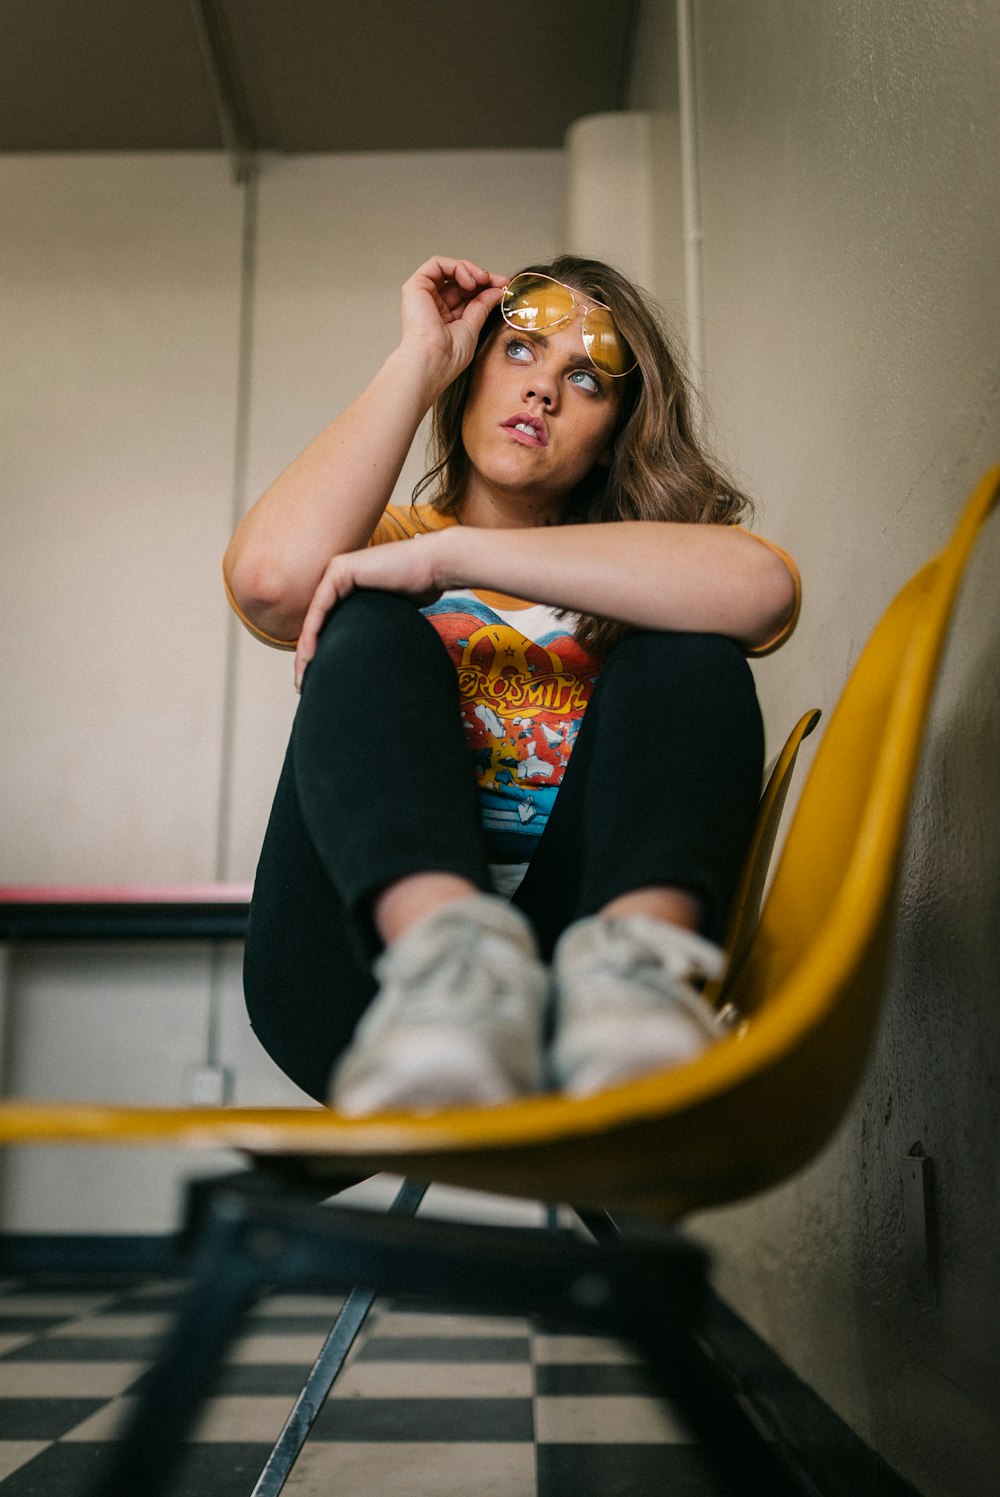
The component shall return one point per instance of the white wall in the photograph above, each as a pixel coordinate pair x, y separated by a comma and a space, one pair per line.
850, 205
609, 198
119, 304
122, 398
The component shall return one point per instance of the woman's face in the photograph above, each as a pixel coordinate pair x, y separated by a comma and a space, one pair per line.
537, 419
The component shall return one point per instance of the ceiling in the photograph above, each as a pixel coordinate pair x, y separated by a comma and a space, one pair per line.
307, 75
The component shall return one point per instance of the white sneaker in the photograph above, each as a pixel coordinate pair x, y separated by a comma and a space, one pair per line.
458, 1018
626, 1001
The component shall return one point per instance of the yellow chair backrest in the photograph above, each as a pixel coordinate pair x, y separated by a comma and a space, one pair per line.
813, 977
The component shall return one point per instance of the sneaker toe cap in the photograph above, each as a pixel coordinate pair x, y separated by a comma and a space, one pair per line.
417, 1071
591, 1056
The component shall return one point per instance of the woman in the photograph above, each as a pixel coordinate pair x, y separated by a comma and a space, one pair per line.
536, 682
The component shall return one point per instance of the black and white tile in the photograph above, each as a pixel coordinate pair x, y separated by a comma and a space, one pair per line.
439, 1404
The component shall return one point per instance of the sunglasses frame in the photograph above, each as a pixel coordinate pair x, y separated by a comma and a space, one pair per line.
536, 275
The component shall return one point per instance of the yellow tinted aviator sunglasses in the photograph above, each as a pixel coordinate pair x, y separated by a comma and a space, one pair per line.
532, 303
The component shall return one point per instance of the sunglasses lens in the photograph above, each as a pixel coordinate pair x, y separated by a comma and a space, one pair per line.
607, 349
534, 302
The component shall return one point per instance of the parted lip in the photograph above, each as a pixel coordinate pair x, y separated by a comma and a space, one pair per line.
535, 422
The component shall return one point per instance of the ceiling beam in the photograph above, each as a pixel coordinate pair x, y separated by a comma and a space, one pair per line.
228, 95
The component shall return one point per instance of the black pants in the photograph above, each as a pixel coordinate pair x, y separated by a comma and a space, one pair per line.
661, 788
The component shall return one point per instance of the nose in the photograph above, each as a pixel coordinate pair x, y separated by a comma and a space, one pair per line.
541, 384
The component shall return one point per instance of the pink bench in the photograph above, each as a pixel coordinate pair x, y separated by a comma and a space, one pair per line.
137, 912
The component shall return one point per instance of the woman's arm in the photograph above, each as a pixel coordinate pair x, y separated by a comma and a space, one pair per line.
330, 499
653, 574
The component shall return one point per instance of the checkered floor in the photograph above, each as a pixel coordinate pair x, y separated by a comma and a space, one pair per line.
434, 1404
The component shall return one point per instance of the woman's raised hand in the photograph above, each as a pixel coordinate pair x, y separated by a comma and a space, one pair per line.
329, 500
444, 306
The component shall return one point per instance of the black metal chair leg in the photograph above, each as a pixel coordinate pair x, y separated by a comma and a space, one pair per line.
643, 1285
231, 1269
326, 1369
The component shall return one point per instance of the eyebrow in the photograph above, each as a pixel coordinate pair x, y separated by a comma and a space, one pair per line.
527, 333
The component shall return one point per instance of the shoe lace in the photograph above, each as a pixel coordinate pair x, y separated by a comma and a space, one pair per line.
624, 958
464, 973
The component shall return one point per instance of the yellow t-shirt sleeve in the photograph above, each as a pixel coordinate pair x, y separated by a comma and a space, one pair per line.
402, 524
396, 524
793, 617
265, 639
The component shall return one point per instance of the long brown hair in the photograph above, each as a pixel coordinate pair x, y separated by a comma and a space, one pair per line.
658, 470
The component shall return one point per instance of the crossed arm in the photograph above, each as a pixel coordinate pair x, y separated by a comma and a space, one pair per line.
654, 575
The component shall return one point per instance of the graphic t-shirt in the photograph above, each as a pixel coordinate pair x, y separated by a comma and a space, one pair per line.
524, 683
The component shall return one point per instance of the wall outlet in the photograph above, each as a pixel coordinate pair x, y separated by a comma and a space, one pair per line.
208, 1086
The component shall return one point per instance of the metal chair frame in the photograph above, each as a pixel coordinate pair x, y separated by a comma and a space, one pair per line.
262, 1229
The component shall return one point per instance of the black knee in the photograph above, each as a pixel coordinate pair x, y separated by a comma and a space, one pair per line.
704, 672
374, 637
371, 616
675, 651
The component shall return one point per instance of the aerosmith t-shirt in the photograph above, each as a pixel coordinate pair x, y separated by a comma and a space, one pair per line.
524, 683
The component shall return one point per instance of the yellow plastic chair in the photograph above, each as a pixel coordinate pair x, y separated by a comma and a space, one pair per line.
742, 1117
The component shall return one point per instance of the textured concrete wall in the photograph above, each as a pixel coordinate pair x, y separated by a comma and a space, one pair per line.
850, 206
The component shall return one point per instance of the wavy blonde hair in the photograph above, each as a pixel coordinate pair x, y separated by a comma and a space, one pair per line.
658, 469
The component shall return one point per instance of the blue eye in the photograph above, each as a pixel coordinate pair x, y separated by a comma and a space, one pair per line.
584, 380
517, 348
